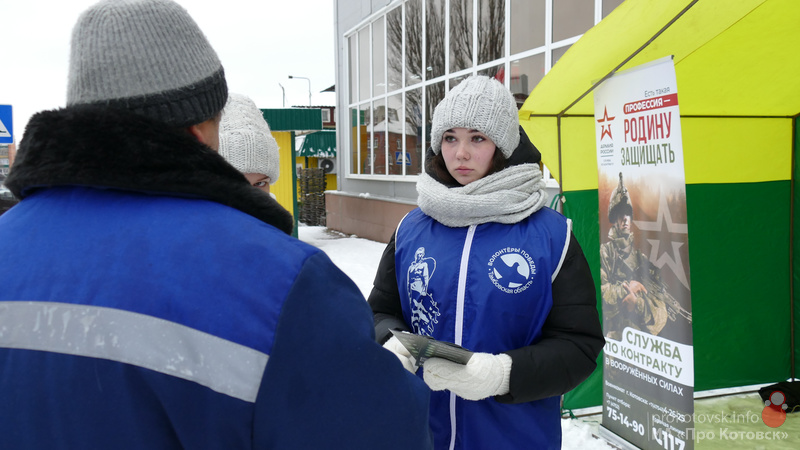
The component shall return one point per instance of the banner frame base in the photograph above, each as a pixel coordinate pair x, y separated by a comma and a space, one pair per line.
614, 439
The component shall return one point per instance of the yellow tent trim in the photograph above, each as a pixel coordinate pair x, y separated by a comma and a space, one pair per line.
734, 59
749, 150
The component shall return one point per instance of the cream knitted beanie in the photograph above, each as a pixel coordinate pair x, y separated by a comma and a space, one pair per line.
245, 140
480, 103
147, 56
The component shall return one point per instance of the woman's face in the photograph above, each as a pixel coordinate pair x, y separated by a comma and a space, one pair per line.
258, 180
467, 154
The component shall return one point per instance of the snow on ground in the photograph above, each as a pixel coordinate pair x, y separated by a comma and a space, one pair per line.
358, 258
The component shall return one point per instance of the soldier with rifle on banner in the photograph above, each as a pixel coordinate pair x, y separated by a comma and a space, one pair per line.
634, 294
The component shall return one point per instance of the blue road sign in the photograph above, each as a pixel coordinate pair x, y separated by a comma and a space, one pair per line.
6, 127
399, 160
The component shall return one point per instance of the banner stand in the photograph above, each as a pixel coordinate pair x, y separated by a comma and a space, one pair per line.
648, 373
615, 439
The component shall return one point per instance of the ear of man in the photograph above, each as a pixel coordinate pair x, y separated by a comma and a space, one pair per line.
207, 132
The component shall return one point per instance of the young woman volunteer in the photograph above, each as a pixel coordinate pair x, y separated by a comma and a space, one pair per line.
247, 144
481, 263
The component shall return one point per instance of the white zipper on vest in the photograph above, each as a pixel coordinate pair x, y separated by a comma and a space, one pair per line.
462, 289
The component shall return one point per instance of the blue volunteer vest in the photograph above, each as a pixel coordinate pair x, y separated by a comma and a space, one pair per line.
488, 288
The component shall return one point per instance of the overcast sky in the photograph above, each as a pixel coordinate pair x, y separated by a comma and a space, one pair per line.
260, 43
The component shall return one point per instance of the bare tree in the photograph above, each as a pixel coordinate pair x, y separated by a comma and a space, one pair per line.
434, 24
491, 30
435, 53
460, 34
490, 34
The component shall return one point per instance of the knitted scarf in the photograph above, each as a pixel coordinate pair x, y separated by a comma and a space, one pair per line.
507, 196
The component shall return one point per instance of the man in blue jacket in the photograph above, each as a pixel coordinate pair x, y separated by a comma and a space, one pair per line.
152, 298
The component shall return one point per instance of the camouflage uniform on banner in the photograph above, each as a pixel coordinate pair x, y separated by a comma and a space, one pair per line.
633, 293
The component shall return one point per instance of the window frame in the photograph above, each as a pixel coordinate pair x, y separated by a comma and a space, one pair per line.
355, 149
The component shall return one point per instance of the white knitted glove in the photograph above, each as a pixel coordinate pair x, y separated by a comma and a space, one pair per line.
394, 346
485, 375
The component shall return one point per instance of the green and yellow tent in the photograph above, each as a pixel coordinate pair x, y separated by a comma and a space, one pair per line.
737, 64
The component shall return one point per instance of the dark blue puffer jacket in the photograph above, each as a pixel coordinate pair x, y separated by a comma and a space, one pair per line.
139, 309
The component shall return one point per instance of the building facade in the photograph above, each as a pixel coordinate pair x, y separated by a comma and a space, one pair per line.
396, 59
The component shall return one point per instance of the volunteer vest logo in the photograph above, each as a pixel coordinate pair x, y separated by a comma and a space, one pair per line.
511, 270
424, 309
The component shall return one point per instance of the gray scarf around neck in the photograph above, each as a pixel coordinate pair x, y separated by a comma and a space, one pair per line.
507, 196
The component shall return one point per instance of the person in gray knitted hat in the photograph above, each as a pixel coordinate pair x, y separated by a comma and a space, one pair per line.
246, 143
157, 299
146, 56
500, 274
482, 104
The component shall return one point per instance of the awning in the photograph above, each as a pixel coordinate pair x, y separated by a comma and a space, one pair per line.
320, 144
733, 59
739, 94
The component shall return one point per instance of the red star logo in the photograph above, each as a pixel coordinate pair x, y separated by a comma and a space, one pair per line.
605, 131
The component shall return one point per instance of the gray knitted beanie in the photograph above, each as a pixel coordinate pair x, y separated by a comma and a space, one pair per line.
245, 140
480, 103
147, 56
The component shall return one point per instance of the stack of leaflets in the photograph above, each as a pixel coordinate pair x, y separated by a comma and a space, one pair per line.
424, 347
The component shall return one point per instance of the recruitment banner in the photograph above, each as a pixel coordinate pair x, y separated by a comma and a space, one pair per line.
648, 377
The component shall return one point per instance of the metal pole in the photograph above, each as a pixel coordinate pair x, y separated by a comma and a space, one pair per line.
309, 87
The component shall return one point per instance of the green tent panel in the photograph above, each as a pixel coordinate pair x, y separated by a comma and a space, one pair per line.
736, 68
582, 208
796, 250
739, 251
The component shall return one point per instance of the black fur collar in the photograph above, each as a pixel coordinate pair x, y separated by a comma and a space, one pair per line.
96, 146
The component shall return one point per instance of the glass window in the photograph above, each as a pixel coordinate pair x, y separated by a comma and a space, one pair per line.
498, 72
353, 66
363, 64
460, 35
434, 39
547, 175
559, 52
610, 5
413, 120
394, 135
394, 48
357, 129
572, 18
413, 42
378, 58
491, 30
364, 135
525, 75
379, 127
527, 25
455, 81
393, 60
434, 93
